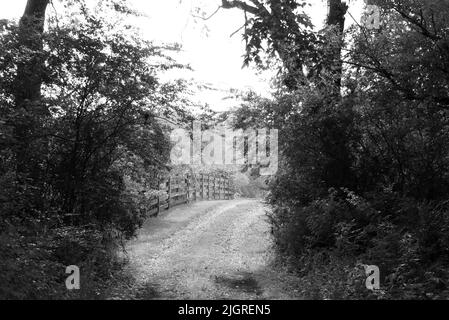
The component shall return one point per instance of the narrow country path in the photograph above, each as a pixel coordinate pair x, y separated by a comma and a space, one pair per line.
208, 250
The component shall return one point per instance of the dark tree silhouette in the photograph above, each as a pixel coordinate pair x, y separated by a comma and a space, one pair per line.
29, 75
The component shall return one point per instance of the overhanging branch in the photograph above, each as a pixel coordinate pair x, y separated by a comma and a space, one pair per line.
210, 16
226, 4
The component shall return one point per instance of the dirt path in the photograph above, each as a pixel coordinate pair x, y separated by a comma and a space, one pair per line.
208, 250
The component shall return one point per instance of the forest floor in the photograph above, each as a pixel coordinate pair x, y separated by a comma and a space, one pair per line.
208, 250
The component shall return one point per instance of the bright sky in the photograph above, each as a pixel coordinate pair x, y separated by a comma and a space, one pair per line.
215, 56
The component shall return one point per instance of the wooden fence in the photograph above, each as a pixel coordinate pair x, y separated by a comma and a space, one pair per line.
184, 189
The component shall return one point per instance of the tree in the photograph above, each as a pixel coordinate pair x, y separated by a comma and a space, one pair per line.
283, 28
29, 73
364, 176
80, 142
336, 20
29, 76
287, 30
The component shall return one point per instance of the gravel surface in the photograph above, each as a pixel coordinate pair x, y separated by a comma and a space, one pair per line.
208, 250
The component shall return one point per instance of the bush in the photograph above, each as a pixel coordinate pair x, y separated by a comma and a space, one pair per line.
406, 239
75, 160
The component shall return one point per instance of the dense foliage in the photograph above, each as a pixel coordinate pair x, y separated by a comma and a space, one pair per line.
364, 131
80, 157
364, 174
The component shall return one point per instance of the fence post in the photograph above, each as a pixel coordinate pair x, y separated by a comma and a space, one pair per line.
224, 187
194, 187
187, 182
217, 187
169, 192
208, 187
157, 196
202, 186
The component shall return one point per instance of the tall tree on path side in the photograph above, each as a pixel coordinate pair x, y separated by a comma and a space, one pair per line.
29, 77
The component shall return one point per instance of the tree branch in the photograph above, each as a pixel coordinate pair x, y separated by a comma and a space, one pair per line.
226, 4
232, 34
418, 23
209, 17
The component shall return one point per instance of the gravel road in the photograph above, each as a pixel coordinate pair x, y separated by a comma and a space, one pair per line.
208, 250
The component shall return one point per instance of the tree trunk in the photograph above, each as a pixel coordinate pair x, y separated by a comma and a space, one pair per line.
29, 78
336, 19
29, 73
336, 14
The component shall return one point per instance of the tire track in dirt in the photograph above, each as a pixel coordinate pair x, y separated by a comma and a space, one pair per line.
209, 250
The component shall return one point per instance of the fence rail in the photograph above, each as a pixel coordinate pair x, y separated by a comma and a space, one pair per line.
184, 189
